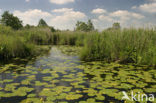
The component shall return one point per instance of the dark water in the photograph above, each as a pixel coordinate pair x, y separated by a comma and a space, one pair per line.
61, 78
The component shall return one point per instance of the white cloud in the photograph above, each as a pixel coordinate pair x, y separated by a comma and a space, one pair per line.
126, 14
153, 0
98, 11
60, 2
62, 10
32, 16
67, 19
27, 0
105, 18
124, 17
150, 8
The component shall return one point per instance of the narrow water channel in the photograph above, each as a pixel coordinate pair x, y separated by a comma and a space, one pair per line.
61, 78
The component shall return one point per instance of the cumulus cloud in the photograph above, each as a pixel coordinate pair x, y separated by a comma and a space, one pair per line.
64, 18
126, 14
153, 0
150, 8
106, 18
60, 2
67, 19
32, 16
62, 10
126, 18
98, 11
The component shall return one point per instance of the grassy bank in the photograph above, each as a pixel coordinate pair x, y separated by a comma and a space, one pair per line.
126, 46
22, 43
69, 38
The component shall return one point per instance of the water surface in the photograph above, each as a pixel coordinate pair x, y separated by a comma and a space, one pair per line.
61, 78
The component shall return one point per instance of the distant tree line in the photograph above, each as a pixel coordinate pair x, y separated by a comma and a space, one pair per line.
86, 27
9, 19
115, 26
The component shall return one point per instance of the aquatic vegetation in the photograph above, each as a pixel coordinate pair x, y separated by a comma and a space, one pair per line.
7, 80
22, 91
32, 100
11, 87
38, 83
91, 92
63, 78
26, 82
100, 97
90, 100
70, 50
47, 78
150, 90
72, 97
31, 95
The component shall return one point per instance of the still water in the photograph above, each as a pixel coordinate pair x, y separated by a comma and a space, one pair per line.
60, 78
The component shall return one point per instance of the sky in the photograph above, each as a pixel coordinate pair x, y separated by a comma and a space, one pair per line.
63, 14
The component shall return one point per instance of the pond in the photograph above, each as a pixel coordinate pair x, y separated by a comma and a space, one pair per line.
58, 77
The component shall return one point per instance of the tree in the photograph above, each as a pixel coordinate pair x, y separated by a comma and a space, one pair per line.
52, 29
9, 19
42, 23
27, 26
116, 25
82, 26
90, 25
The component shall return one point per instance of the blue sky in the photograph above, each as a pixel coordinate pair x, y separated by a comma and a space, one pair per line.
63, 14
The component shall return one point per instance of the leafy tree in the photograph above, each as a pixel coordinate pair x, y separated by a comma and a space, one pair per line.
90, 25
42, 23
82, 26
116, 26
9, 19
52, 29
27, 26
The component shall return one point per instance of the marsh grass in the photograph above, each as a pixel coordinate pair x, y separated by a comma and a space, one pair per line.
69, 38
22, 43
126, 46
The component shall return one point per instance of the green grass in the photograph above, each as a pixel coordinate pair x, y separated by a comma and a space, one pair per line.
14, 46
126, 46
22, 43
69, 38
